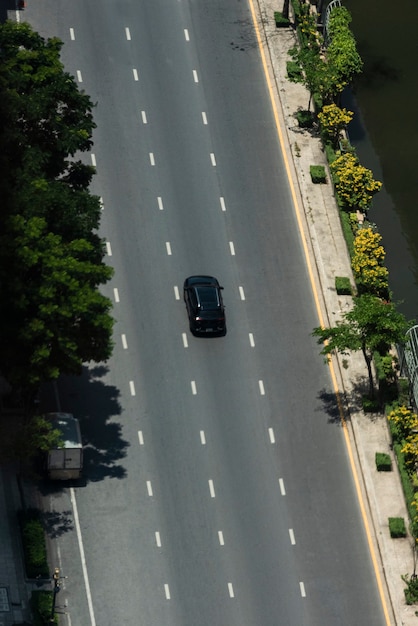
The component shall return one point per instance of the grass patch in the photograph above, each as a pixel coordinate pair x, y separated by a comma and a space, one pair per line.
281, 22
383, 462
34, 544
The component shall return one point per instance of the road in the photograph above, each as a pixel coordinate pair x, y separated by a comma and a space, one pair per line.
218, 489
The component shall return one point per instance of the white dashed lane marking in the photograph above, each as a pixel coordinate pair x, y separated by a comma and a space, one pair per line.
221, 538
232, 248
149, 488
108, 248
151, 158
79, 77
202, 437
251, 337
222, 201
195, 76
241, 293
168, 247
186, 34
231, 590
282, 488
72, 34
271, 435
292, 536
167, 591
193, 386
204, 118
116, 294
124, 342
211, 488
302, 590
144, 117
140, 438
158, 539
185, 342
176, 292
261, 387
160, 203
212, 159
135, 73
132, 388
128, 34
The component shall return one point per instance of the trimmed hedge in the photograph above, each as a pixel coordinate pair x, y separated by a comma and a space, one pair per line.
34, 544
397, 527
318, 174
343, 286
41, 605
294, 71
305, 118
383, 462
281, 22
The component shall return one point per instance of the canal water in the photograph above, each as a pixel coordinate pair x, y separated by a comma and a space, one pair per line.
385, 131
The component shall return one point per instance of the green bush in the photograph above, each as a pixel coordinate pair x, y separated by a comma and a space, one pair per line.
397, 527
343, 286
383, 462
294, 71
318, 174
34, 544
305, 118
347, 231
330, 153
411, 591
41, 604
370, 405
281, 22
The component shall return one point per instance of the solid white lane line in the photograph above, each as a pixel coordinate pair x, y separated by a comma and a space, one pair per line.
271, 435
135, 73
232, 248
222, 201
231, 590
140, 438
116, 294
241, 293
72, 35
168, 247
144, 117
176, 292
151, 158
157, 539
82, 557
149, 488
292, 536
160, 203
302, 590
261, 386
132, 388
186, 34
128, 34
185, 343
204, 118
221, 538
124, 342
281, 485
79, 77
195, 77
108, 248
202, 437
93, 160
251, 336
211, 488
212, 159
167, 591
193, 386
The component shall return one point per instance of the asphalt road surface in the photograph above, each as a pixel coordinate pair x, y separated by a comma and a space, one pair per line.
218, 490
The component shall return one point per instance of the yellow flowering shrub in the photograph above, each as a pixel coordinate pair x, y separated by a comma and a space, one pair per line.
333, 120
354, 183
404, 420
368, 261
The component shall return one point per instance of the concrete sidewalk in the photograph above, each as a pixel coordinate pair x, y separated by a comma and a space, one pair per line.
381, 491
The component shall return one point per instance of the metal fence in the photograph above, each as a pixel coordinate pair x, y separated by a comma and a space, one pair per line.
409, 363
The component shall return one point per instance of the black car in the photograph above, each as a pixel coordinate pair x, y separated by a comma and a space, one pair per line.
203, 298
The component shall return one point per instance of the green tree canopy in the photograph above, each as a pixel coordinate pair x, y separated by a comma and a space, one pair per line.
371, 325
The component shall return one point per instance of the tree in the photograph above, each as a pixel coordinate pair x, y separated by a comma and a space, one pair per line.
58, 318
371, 325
